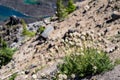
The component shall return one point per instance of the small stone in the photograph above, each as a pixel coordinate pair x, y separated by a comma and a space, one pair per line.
62, 40
83, 33
22, 72
77, 24
66, 40
76, 40
87, 7
71, 34
71, 31
71, 43
79, 44
102, 33
106, 30
65, 77
30, 46
73, 76
34, 76
76, 34
42, 75
118, 32
99, 25
60, 76
47, 20
51, 45
51, 50
77, 54
98, 34
111, 49
31, 29
56, 47
27, 72
26, 76
82, 37
32, 66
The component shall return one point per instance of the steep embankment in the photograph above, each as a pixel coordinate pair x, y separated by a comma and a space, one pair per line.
95, 19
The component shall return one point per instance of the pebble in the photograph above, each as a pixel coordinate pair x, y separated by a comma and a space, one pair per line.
76, 34
26, 76
22, 72
66, 40
42, 75
32, 66
82, 38
27, 72
71, 43
56, 47
73, 76
77, 24
34, 76
79, 44
62, 76
87, 7
111, 49
83, 33
118, 32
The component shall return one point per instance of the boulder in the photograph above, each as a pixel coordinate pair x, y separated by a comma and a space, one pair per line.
47, 21
47, 31
13, 20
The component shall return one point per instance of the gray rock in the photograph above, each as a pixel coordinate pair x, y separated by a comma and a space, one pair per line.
87, 7
47, 31
77, 24
47, 21
27, 71
111, 49
82, 38
32, 66
13, 45
31, 29
118, 32
34, 76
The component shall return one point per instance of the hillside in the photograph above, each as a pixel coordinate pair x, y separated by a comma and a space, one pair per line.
99, 20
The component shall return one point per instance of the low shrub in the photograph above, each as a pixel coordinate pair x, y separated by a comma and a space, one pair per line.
85, 62
25, 31
41, 29
28, 33
5, 53
70, 7
13, 77
61, 10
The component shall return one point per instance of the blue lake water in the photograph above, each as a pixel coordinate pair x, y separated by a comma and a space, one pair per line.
31, 1
6, 12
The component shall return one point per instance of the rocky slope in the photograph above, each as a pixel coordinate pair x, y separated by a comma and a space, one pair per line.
95, 22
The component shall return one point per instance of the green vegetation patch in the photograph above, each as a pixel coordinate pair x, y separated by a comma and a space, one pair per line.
41, 29
71, 7
25, 31
13, 77
63, 11
85, 62
5, 53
